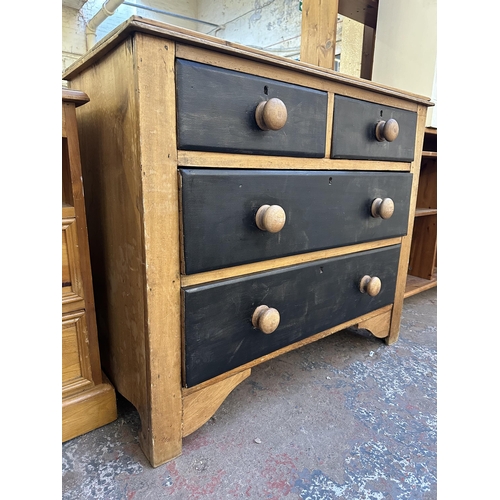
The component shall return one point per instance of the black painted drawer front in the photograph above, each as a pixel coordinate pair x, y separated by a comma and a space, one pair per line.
324, 209
354, 124
310, 298
216, 112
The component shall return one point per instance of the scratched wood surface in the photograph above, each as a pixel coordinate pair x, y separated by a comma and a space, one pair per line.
104, 124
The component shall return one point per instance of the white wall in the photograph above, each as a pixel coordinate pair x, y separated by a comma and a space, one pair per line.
272, 25
185, 7
74, 22
73, 36
432, 112
406, 46
74, 43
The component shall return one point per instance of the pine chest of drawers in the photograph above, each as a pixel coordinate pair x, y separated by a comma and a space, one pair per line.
239, 206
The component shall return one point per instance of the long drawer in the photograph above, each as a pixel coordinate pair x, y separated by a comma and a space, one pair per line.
355, 136
322, 209
310, 298
216, 112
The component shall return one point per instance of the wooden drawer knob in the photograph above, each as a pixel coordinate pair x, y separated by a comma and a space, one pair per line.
387, 131
383, 208
370, 285
266, 319
271, 115
270, 218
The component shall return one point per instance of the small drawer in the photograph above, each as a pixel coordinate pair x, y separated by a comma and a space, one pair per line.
322, 209
219, 331
216, 112
355, 133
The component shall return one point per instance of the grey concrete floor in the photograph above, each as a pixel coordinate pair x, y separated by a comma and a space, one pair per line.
345, 417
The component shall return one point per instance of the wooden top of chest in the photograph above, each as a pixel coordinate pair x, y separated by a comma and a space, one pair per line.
137, 24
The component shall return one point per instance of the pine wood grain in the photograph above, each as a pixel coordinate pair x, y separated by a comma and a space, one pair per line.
133, 244
200, 405
319, 32
227, 160
160, 208
377, 325
117, 249
230, 272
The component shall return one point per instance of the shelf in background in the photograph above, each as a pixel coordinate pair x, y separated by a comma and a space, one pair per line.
416, 285
420, 212
422, 270
429, 154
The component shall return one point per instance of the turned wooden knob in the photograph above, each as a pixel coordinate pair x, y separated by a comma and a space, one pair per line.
383, 208
370, 285
271, 115
270, 218
387, 131
266, 319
